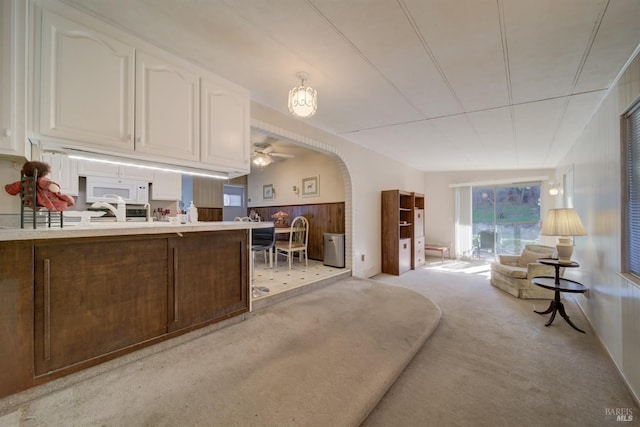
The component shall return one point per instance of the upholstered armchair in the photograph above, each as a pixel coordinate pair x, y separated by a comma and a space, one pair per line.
513, 273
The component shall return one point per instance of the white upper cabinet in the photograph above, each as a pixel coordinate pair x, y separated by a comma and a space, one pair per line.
13, 51
102, 90
86, 84
110, 170
167, 108
166, 186
64, 172
225, 125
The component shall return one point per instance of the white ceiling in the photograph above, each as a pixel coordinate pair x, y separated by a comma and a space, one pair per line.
437, 84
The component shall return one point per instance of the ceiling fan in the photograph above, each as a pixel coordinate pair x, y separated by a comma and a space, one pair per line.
264, 153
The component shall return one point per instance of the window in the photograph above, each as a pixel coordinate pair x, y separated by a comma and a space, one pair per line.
232, 200
631, 194
505, 218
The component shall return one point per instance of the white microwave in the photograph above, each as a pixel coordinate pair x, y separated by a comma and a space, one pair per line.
102, 189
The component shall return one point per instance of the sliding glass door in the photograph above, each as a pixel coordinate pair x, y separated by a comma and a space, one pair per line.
505, 219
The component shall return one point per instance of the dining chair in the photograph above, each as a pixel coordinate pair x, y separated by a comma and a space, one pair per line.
262, 239
298, 240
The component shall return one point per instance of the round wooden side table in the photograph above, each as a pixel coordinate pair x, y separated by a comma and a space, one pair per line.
558, 285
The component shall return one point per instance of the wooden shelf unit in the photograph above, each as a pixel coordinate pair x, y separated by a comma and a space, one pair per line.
418, 257
399, 215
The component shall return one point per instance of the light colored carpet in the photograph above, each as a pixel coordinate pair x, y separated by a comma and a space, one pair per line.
492, 362
324, 358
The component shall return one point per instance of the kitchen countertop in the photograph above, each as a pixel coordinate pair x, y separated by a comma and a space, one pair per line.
124, 228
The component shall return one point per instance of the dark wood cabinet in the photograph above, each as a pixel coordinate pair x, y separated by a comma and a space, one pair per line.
209, 278
94, 297
402, 217
418, 230
397, 231
16, 316
67, 304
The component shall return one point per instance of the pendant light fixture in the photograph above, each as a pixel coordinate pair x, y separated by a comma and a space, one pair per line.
303, 100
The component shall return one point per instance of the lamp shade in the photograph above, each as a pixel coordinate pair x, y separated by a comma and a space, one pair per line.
562, 222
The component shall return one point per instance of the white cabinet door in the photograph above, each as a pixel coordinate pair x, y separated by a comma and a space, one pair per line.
167, 109
225, 126
166, 186
6, 76
109, 170
64, 171
12, 78
88, 168
86, 85
139, 174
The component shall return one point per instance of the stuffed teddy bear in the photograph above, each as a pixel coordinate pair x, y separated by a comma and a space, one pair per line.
48, 193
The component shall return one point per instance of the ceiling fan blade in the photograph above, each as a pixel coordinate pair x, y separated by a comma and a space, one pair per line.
283, 155
268, 150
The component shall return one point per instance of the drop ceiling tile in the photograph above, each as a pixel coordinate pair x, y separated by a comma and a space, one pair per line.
382, 33
547, 40
465, 38
616, 40
536, 124
495, 129
578, 111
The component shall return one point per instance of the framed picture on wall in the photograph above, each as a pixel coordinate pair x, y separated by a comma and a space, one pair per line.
311, 186
267, 192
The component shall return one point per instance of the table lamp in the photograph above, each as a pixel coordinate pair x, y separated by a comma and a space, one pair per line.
563, 223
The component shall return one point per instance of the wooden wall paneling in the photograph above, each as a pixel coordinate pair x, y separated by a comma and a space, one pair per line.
322, 217
209, 214
208, 193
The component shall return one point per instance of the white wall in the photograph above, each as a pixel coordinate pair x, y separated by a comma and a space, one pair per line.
365, 174
612, 304
284, 174
9, 172
440, 198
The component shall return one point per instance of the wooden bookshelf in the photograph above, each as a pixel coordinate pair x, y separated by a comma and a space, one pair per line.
418, 256
402, 231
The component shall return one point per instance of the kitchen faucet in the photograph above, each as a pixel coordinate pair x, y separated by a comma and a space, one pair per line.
147, 207
120, 212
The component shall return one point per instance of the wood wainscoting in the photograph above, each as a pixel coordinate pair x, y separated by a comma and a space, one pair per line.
322, 217
209, 214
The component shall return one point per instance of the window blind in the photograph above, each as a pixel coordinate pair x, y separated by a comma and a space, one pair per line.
632, 160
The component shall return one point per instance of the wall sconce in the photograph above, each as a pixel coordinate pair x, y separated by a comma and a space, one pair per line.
554, 190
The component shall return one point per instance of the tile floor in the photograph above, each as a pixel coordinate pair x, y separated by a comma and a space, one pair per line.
283, 282
282, 279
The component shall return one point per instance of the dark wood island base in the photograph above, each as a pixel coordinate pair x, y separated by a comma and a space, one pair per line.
70, 303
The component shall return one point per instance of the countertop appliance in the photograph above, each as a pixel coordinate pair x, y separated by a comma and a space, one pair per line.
101, 189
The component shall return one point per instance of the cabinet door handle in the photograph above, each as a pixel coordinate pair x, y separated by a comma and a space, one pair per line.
175, 284
47, 309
